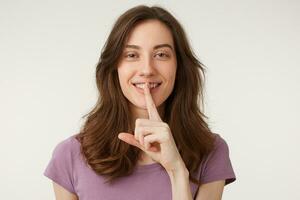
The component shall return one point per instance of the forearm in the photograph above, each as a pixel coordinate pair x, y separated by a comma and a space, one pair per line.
180, 183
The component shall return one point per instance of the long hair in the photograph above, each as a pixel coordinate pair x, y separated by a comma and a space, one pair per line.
103, 151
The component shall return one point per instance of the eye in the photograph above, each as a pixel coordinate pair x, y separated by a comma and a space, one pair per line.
130, 55
163, 55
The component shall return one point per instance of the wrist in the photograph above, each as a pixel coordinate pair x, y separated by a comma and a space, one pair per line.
179, 170
179, 178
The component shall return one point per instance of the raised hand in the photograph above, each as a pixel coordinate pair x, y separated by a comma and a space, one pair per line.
154, 137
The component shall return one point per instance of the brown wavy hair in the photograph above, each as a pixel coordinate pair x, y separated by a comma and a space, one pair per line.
102, 150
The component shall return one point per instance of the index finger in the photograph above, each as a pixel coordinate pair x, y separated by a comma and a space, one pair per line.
152, 111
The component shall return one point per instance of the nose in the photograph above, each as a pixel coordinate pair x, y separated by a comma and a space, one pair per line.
147, 68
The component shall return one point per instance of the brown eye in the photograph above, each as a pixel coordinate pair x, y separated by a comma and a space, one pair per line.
163, 55
130, 55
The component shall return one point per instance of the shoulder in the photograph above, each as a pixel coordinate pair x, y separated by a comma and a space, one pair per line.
61, 166
67, 145
220, 148
220, 142
217, 165
66, 149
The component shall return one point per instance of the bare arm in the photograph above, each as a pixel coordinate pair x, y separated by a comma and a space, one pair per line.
63, 194
181, 187
180, 184
211, 191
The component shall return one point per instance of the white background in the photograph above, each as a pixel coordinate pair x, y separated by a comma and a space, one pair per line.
48, 54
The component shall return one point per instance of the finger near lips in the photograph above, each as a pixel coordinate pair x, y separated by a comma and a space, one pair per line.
152, 111
143, 137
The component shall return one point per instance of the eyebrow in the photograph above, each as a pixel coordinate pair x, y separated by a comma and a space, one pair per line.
155, 47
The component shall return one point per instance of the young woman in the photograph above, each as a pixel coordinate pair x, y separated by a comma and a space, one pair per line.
146, 138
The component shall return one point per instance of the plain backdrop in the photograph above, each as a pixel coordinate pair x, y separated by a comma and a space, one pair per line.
49, 51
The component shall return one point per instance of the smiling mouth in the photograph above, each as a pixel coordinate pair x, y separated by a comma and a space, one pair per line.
140, 87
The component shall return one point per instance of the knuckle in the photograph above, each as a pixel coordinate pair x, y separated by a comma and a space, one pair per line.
165, 125
146, 142
136, 132
141, 130
141, 139
137, 122
166, 136
166, 129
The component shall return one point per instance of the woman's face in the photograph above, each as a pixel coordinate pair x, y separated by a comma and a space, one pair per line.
148, 56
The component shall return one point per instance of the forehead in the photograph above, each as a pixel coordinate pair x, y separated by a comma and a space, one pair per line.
150, 33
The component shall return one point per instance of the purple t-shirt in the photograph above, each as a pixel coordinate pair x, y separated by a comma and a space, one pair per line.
148, 182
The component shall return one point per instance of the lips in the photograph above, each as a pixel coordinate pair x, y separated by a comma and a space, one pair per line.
142, 85
150, 82
141, 90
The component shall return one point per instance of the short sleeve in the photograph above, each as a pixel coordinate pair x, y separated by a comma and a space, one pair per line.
59, 168
217, 165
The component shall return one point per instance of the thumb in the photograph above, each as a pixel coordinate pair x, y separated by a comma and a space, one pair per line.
130, 139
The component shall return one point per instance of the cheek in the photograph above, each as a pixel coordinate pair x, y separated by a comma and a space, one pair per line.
171, 78
169, 73
124, 76
122, 79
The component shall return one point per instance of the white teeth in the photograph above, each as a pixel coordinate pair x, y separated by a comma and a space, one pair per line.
142, 85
